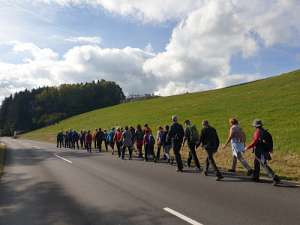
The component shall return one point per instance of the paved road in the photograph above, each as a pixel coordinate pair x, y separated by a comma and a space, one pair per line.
43, 185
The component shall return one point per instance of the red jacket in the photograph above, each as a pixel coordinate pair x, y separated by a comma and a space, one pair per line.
255, 139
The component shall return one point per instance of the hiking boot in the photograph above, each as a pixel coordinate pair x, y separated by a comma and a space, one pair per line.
276, 180
250, 172
255, 179
179, 170
231, 170
220, 177
205, 173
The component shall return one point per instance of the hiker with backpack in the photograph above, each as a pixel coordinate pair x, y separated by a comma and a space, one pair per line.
139, 140
149, 143
118, 141
176, 136
127, 142
262, 145
110, 140
191, 135
237, 138
159, 141
210, 141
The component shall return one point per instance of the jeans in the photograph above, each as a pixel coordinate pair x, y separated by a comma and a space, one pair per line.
129, 150
261, 160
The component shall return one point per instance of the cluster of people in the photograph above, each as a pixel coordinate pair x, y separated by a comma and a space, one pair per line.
149, 146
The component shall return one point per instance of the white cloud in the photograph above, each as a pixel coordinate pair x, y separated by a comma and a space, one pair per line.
84, 40
198, 56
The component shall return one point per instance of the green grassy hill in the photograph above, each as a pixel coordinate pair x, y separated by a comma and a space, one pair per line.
275, 100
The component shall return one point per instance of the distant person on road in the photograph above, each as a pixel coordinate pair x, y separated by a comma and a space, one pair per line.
192, 137
82, 139
88, 141
148, 142
139, 137
75, 139
146, 127
118, 141
127, 143
167, 145
237, 138
105, 139
94, 135
60, 139
159, 142
176, 136
111, 142
262, 145
210, 141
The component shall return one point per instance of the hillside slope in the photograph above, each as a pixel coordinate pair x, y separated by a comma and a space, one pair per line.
275, 100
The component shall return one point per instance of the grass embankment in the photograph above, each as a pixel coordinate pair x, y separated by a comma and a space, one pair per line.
275, 100
2, 152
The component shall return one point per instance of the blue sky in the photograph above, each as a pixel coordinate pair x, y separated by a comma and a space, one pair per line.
146, 46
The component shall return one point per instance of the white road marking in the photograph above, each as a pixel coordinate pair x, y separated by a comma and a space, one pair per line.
63, 158
183, 217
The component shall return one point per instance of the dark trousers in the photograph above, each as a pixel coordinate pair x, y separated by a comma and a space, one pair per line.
99, 145
60, 143
89, 147
261, 160
149, 150
193, 155
118, 144
176, 149
124, 150
210, 161
81, 143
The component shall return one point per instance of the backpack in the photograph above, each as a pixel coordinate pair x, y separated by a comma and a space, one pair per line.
194, 134
266, 140
151, 140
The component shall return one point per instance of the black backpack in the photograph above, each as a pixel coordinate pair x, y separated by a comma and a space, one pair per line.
266, 140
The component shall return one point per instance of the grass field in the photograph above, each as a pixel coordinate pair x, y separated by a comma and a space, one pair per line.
2, 152
275, 100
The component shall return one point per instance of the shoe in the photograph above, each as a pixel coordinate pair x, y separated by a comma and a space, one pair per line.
205, 173
250, 172
179, 170
255, 179
231, 170
220, 177
198, 169
276, 180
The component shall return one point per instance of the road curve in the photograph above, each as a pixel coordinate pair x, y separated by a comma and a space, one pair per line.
43, 185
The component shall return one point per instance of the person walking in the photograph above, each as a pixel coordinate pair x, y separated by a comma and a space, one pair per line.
167, 145
148, 142
262, 145
192, 137
127, 143
237, 138
139, 138
76, 139
118, 141
111, 142
88, 141
60, 139
159, 142
82, 138
210, 141
176, 136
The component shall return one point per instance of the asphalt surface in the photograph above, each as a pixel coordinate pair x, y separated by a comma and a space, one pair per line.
44, 185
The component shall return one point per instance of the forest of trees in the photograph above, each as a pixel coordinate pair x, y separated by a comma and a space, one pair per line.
28, 110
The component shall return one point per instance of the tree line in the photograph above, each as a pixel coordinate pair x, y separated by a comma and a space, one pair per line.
32, 109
